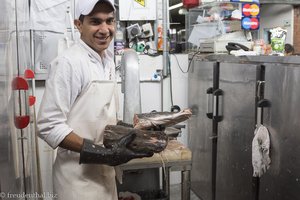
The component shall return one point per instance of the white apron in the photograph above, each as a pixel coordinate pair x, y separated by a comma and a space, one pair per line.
93, 110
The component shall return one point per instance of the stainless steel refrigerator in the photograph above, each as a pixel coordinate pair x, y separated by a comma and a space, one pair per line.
229, 96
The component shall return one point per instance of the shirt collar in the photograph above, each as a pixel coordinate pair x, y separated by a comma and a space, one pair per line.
94, 54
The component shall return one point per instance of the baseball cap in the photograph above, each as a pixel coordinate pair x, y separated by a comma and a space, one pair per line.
85, 7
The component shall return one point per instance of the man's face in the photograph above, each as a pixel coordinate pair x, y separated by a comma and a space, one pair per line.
97, 29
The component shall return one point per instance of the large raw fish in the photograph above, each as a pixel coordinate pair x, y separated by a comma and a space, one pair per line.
146, 141
160, 119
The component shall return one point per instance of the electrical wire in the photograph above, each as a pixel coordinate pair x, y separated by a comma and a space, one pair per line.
171, 82
190, 62
170, 71
179, 66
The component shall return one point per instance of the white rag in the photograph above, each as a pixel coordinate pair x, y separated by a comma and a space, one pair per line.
260, 151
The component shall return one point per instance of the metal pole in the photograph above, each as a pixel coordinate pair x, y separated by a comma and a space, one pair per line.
165, 38
165, 69
166, 181
185, 185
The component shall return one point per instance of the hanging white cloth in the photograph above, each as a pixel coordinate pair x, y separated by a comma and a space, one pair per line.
49, 15
260, 151
43, 5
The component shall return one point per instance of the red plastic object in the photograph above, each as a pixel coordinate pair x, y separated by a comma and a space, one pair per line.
29, 74
190, 3
19, 83
21, 121
31, 100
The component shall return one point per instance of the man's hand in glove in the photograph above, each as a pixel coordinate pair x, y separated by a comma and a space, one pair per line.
118, 154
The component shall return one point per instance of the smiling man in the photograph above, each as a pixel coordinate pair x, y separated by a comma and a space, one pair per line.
78, 102
98, 27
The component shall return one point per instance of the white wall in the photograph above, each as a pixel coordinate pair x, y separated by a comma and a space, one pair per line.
180, 97
179, 86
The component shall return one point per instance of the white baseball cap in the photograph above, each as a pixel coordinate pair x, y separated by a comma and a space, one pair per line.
85, 7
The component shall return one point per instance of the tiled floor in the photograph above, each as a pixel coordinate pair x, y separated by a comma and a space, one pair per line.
175, 193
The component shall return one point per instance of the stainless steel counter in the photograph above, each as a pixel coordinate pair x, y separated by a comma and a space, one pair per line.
289, 60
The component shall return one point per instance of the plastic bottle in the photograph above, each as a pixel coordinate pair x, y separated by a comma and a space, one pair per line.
160, 38
119, 43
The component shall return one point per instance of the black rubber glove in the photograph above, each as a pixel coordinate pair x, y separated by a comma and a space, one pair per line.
118, 154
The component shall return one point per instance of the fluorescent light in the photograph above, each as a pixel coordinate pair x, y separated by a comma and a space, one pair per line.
182, 11
175, 6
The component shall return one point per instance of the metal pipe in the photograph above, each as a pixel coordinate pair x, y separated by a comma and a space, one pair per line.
165, 68
166, 181
185, 185
165, 38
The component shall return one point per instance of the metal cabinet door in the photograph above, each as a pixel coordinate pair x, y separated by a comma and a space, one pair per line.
282, 180
200, 128
235, 132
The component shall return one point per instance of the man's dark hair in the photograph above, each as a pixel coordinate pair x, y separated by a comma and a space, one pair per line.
81, 18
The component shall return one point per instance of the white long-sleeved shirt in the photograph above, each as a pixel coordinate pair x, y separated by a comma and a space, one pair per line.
69, 75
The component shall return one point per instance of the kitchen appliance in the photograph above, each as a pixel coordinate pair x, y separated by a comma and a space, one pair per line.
229, 96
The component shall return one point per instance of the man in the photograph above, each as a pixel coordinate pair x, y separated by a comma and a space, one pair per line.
78, 102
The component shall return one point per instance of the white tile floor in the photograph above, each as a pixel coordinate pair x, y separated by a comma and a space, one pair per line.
175, 193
